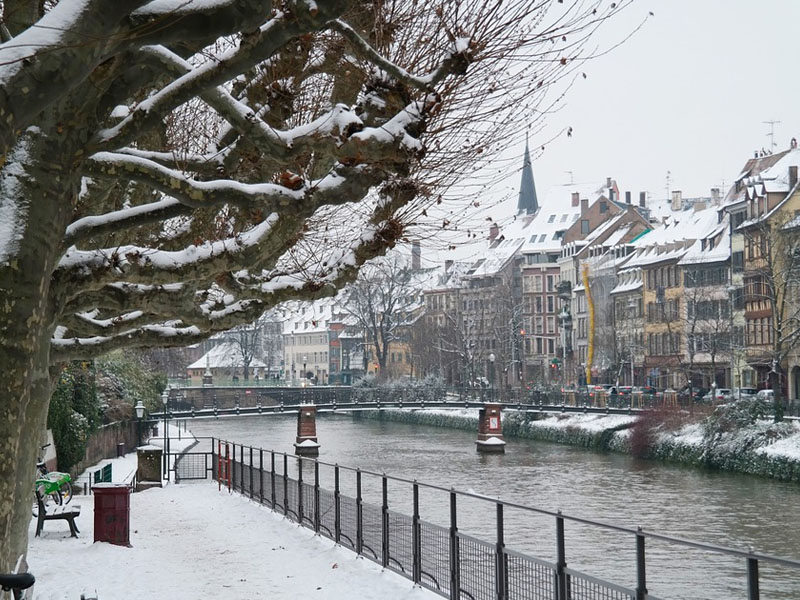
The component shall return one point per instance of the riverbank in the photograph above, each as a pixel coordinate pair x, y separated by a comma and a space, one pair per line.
191, 540
731, 439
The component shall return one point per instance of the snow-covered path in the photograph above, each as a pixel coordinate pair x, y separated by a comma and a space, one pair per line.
191, 541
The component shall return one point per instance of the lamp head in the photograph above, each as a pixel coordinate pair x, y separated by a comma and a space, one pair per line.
139, 408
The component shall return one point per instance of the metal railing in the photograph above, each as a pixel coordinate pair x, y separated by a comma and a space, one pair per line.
440, 558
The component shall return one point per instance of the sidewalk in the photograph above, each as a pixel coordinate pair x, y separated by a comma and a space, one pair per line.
191, 541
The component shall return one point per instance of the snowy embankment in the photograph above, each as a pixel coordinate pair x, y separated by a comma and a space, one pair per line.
193, 541
728, 439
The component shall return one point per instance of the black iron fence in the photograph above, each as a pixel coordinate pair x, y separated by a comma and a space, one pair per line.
439, 557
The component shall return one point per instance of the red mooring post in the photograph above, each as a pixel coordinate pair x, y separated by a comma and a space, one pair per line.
490, 430
306, 443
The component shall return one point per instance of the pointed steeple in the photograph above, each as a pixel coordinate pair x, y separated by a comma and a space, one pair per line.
527, 203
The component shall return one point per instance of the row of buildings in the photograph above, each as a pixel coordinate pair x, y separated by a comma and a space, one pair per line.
588, 285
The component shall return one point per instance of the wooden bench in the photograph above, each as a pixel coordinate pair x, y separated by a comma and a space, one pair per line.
67, 513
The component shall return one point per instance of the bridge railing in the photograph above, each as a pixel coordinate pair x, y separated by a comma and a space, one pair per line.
354, 508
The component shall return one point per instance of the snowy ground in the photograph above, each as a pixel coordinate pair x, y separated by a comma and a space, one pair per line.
191, 541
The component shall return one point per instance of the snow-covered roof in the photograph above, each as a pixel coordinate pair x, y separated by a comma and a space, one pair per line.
775, 178
224, 355
713, 247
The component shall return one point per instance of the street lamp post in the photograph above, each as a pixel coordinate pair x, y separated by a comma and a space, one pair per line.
139, 408
165, 402
731, 289
632, 309
491, 373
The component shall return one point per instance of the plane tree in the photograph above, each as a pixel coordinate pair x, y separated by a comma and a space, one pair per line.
174, 168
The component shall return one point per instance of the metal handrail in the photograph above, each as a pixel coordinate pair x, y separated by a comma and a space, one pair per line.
637, 531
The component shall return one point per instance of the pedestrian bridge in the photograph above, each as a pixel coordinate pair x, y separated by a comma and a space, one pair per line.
295, 405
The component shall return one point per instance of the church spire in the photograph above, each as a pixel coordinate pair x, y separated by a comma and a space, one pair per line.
527, 203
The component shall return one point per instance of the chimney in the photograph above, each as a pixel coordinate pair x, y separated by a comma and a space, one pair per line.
608, 182
575, 198
793, 144
677, 200
715, 196
416, 255
611, 194
792, 176
699, 206
494, 231
627, 197
448, 264
643, 199
584, 205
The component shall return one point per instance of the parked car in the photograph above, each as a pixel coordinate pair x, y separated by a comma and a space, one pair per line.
697, 393
767, 395
717, 395
744, 393
647, 390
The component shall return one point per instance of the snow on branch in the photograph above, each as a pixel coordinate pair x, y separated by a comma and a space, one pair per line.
457, 62
192, 193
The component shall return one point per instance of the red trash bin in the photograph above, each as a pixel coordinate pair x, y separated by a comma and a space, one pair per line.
112, 504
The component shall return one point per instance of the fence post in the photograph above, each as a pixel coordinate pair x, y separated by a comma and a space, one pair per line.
316, 496
232, 468
752, 579
261, 475
641, 574
359, 515
455, 579
337, 507
300, 490
272, 478
384, 521
561, 560
251, 472
285, 484
416, 545
241, 469
500, 576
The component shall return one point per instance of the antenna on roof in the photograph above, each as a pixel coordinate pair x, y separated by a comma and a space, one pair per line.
771, 134
571, 179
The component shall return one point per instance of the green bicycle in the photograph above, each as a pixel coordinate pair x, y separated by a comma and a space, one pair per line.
53, 487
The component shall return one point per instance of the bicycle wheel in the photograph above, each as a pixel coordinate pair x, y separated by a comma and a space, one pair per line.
66, 492
48, 500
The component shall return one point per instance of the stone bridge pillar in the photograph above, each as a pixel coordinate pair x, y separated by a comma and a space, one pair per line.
306, 444
490, 430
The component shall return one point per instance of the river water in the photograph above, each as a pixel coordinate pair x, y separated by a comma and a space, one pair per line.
720, 508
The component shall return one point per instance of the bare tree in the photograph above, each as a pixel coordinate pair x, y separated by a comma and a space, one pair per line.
247, 341
380, 300
173, 169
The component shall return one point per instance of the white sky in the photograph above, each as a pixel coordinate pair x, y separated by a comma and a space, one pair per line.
687, 94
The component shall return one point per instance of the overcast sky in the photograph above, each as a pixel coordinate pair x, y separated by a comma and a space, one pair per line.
688, 94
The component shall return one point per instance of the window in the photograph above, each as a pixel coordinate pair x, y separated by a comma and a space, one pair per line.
550, 283
542, 237
537, 283
551, 346
584, 226
551, 304
551, 218
551, 325
603, 207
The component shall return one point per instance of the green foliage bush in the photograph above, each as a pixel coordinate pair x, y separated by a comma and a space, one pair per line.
132, 379
74, 412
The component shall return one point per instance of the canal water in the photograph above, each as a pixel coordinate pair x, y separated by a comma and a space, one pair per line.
719, 508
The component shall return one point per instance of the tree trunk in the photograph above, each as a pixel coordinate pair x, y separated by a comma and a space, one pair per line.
775, 384
39, 196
